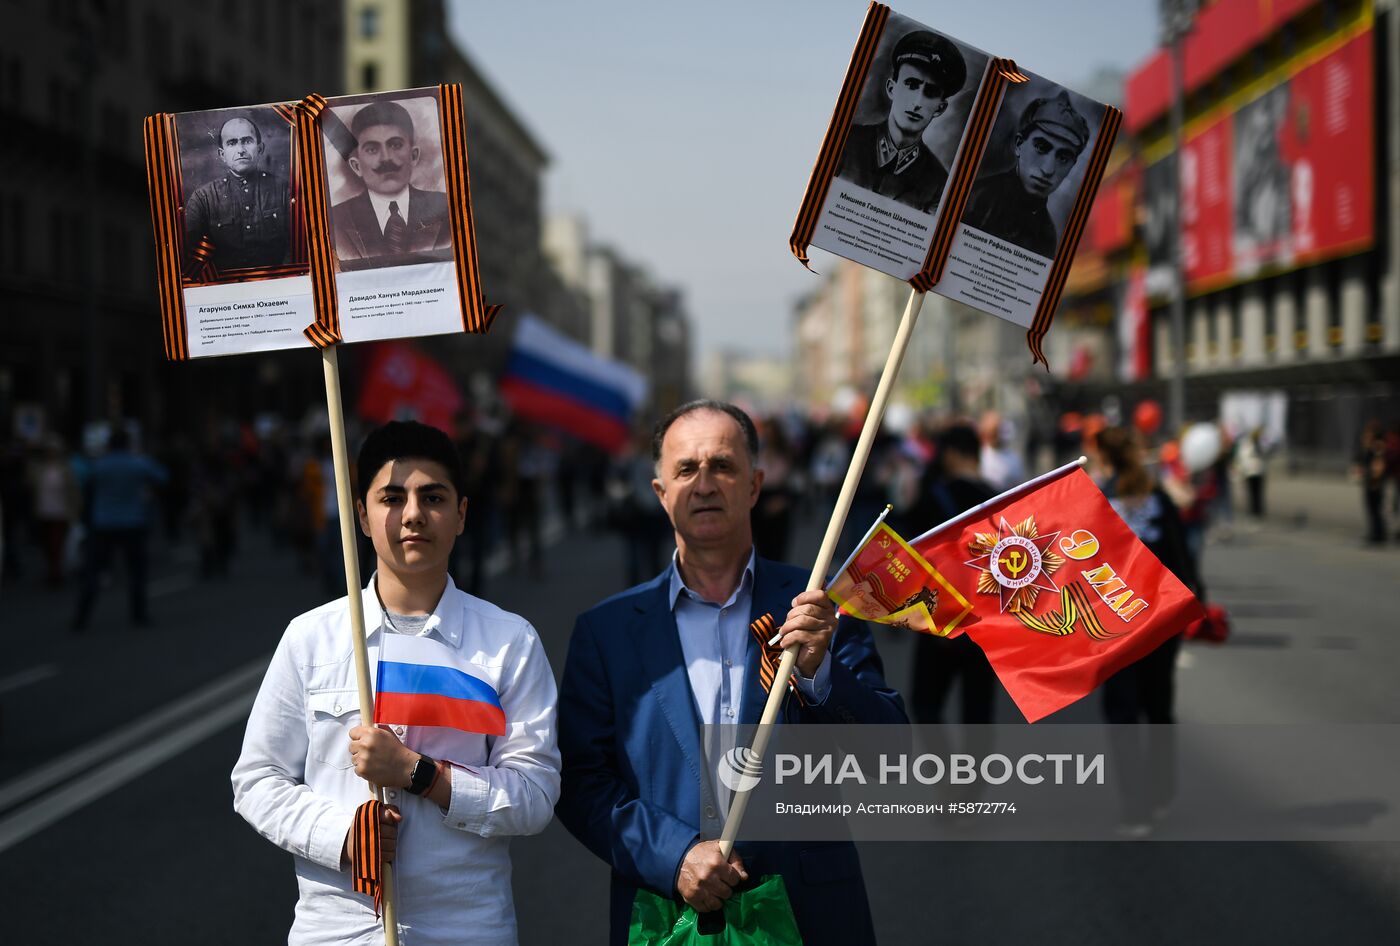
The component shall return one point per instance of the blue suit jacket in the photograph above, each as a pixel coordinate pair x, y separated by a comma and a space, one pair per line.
633, 765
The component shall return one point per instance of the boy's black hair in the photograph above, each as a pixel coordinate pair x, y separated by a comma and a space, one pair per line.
406, 440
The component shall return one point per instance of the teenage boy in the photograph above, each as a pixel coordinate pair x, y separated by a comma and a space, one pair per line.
453, 798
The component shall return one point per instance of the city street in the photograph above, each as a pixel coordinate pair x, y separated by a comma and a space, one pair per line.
116, 821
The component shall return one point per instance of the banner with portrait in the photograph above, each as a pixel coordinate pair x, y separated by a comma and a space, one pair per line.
1281, 177
302, 224
230, 233
951, 169
390, 233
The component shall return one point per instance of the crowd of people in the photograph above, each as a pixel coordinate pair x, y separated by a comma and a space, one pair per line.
71, 513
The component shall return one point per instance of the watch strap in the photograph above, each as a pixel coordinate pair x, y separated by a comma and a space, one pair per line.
424, 774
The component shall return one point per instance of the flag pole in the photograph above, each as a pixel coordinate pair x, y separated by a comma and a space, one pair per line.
817, 579
330, 362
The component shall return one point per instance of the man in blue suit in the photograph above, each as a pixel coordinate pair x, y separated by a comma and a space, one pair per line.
648, 667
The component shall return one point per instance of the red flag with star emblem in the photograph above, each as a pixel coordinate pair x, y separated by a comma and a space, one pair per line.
1063, 593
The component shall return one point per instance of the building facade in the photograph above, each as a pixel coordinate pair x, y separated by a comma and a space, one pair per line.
631, 316
80, 339
1290, 220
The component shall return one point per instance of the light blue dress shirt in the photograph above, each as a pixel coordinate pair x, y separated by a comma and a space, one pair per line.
714, 645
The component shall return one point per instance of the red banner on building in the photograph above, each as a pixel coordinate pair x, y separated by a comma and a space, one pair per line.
1283, 180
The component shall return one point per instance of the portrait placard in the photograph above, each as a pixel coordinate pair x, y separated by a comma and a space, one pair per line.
934, 170
390, 226
229, 229
1032, 174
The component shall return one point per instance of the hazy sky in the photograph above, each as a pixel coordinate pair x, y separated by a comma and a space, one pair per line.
685, 134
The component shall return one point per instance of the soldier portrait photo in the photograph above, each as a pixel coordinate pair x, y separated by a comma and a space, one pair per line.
1033, 166
235, 167
911, 114
388, 193
1262, 180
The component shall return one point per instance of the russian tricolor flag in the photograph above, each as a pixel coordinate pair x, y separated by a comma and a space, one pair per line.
552, 379
425, 684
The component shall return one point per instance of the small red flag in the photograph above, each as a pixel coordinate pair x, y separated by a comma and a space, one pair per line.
1062, 593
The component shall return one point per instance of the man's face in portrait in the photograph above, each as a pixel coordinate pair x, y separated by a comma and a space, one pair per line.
385, 158
240, 146
914, 100
1043, 158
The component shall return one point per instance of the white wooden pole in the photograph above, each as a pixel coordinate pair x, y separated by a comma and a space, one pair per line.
873, 418
345, 497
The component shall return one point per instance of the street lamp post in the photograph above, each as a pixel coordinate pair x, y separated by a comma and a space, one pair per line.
1177, 18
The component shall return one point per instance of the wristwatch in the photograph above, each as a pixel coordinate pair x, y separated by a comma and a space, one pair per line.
424, 771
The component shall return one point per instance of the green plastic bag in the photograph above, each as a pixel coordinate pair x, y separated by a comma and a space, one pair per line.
755, 916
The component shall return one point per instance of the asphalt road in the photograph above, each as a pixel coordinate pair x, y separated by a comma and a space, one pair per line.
116, 820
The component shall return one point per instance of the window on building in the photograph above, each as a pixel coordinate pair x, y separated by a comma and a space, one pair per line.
1333, 277
1300, 309
18, 235
1375, 330
1235, 299
231, 78
116, 28
369, 22
116, 259
1272, 290
369, 76
157, 44
58, 240
14, 84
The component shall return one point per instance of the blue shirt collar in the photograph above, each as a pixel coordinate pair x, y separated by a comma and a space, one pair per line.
678, 583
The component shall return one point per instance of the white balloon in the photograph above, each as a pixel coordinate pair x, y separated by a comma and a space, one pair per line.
1200, 446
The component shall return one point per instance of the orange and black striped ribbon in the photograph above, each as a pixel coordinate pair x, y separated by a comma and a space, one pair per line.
325, 331
288, 113
1075, 609
367, 853
959, 186
1074, 229
163, 182
477, 316
769, 656
201, 266
829, 157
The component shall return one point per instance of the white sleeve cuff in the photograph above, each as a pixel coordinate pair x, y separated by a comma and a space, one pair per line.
467, 810
327, 841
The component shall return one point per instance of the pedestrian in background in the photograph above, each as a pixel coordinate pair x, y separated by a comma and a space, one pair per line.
118, 496
1144, 692
772, 517
1249, 461
1370, 468
951, 485
56, 502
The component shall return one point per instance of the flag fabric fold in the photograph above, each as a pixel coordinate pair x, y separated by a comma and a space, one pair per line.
553, 380
1059, 591
424, 684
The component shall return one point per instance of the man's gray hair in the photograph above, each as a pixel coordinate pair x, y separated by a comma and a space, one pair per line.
706, 404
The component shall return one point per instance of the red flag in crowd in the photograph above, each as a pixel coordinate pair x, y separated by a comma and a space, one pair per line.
1062, 593
402, 383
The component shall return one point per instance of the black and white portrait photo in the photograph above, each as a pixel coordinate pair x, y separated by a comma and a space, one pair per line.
911, 114
387, 188
1159, 223
1262, 179
1034, 165
235, 170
